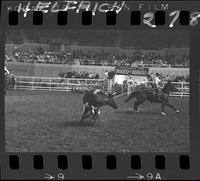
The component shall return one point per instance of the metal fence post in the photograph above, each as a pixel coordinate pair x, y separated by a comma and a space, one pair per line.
67, 84
33, 83
15, 86
50, 83
182, 89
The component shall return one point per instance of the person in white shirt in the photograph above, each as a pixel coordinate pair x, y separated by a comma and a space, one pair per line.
144, 82
130, 84
6, 71
157, 82
106, 74
130, 81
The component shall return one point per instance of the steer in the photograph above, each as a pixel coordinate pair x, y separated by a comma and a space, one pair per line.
93, 100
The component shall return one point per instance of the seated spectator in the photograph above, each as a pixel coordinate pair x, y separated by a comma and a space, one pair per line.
138, 58
81, 75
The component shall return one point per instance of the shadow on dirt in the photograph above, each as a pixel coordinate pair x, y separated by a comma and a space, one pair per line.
77, 124
125, 112
141, 112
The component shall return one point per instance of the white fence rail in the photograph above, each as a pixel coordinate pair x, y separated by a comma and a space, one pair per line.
67, 84
183, 87
57, 84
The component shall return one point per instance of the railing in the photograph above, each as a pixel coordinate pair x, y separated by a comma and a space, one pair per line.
67, 84
183, 87
107, 63
163, 66
57, 84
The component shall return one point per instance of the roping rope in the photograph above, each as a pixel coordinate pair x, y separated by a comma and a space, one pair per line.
134, 91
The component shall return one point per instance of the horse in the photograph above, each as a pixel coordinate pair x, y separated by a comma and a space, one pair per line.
149, 94
93, 100
9, 82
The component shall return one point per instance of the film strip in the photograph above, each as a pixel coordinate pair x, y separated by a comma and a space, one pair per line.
86, 86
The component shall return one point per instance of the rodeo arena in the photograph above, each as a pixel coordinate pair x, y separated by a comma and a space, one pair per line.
97, 91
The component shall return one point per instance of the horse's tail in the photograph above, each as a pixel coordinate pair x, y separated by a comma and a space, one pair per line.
132, 95
86, 95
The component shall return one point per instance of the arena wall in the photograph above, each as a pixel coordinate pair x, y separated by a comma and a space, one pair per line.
49, 70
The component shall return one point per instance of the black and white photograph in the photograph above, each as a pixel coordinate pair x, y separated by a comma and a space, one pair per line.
97, 91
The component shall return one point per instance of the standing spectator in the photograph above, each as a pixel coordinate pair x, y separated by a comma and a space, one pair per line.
97, 76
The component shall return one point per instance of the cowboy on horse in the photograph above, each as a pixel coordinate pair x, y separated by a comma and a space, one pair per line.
161, 96
156, 85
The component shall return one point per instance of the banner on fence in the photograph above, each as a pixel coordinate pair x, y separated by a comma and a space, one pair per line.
130, 74
136, 71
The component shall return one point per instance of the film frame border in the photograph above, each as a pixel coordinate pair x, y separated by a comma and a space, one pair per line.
123, 169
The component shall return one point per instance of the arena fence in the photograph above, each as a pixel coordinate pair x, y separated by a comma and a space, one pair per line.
68, 84
183, 87
58, 84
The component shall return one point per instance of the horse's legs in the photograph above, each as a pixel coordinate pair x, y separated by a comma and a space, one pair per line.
13, 86
85, 113
96, 115
169, 105
163, 106
138, 103
136, 106
132, 94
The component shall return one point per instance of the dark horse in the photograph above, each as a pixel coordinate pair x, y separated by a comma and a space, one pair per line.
150, 95
9, 82
93, 100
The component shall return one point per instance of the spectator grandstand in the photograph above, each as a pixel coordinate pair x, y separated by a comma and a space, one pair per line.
74, 50
110, 48
38, 55
82, 75
93, 75
174, 78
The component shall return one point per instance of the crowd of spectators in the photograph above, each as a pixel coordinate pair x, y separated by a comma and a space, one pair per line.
38, 55
93, 75
138, 58
175, 78
81, 75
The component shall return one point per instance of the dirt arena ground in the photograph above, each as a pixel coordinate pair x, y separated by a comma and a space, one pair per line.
42, 121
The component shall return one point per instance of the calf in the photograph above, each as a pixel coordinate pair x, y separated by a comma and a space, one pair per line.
93, 100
